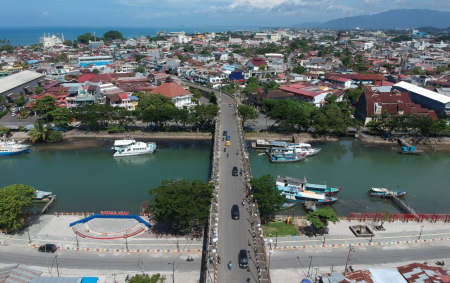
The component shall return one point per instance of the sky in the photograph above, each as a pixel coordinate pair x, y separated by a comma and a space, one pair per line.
195, 12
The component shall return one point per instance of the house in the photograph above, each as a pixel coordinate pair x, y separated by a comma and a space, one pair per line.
417, 272
309, 92
426, 98
181, 98
255, 63
18, 273
119, 100
357, 78
340, 81
257, 99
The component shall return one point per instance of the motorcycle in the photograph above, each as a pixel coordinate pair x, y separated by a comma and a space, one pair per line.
440, 263
230, 265
218, 259
189, 258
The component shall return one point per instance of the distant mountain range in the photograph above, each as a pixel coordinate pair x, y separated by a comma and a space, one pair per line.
402, 18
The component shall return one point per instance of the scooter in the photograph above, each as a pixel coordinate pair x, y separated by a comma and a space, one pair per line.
230, 265
440, 263
189, 258
218, 259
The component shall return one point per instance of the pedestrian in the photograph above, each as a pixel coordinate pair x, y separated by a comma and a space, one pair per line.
211, 260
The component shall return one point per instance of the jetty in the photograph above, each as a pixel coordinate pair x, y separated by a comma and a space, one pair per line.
402, 205
408, 149
49, 204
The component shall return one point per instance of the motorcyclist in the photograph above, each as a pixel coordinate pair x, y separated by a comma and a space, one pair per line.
218, 259
230, 265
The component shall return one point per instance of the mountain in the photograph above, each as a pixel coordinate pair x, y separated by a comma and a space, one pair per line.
401, 18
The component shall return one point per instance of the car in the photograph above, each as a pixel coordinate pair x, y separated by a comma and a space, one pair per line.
225, 133
243, 259
234, 172
235, 212
47, 248
230, 105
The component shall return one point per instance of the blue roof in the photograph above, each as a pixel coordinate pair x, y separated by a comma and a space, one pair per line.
89, 280
32, 61
228, 67
95, 64
132, 97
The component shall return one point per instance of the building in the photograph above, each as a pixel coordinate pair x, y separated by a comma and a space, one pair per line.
94, 60
426, 98
18, 273
343, 36
181, 98
255, 63
267, 37
418, 272
50, 41
95, 44
15, 83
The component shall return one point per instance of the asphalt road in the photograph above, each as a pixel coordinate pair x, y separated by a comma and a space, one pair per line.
234, 235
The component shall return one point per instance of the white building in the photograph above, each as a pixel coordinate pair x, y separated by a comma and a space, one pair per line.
49, 41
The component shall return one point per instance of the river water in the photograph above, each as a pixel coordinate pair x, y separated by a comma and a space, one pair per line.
93, 180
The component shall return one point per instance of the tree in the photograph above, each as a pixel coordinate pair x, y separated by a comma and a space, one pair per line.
182, 204
61, 117
205, 113
299, 70
144, 278
139, 70
266, 193
96, 71
247, 113
68, 42
384, 216
197, 95
84, 38
321, 217
112, 34
38, 90
54, 136
15, 200
262, 67
417, 70
45, 106
154, 101
40, 132
4, 131
20, 101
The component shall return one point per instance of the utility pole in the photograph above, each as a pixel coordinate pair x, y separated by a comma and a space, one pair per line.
76, 238
348, 257
126, 243
29, 239
57, 267
421, 228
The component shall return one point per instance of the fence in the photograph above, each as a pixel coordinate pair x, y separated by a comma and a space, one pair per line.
400, 217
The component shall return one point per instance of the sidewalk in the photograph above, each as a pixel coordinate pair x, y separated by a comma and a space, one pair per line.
396, 233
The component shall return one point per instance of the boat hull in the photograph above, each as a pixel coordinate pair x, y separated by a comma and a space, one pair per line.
328, 202
22, 151
124, 154
387, 195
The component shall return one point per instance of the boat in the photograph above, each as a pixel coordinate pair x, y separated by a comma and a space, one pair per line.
304, 186
285, 155
42, 196
12, 147
132, 148
383, 192
292, 194
300, 147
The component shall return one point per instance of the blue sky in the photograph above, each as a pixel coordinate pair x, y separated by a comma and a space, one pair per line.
195, 12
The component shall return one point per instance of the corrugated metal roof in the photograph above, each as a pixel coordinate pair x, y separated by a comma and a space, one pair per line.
386, 275
15, 80
18, 274
44, 279
424, 92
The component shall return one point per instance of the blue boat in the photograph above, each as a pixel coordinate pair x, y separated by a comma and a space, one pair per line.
281, 155
12, 147
383, 193
294, 195
303, 186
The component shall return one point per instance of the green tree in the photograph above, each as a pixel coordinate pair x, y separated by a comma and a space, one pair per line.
38, 90
54, 136
384, 216
68, 42
197, 95
61, 117
145, 278
205, 114
15, 200
84, 38
182, 204
154, 101
45, 106
299, 70
181, 116
112, 34
139, 70
247, 113
4, 131
262, 67
20, 101
417, 70
266, 193
40, 132
321, 217
96, 71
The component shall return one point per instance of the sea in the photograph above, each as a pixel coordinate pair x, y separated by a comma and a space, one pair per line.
20, 36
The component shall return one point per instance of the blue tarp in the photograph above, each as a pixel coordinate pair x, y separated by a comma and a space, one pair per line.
89, 279
306, 281
84, 220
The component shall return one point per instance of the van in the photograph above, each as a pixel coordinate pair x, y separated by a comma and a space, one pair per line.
235, 212
243, 259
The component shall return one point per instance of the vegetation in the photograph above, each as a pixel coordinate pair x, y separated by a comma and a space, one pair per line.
84, 38
299, 70
112, 34
54, 136
266, 193
321, 217
402, 37
182, 204
40, 132
247, 113
15, 201
384, 216
280, 229
139, 70
45, 106
145, 278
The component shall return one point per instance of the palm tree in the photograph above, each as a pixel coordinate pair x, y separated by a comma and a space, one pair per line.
40, 132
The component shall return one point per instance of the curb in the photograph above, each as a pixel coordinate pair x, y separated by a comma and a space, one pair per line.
121, 250
361, 244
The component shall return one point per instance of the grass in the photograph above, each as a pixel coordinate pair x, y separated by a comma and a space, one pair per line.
280, 229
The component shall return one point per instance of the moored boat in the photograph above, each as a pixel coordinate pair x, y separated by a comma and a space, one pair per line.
383, 192
12, 147
303, 186
293, 195
285, 155
299, 147
42, 196
132, 148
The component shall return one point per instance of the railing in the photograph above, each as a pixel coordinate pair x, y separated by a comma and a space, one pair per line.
400, 217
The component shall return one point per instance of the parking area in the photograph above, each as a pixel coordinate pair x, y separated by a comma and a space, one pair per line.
9, 120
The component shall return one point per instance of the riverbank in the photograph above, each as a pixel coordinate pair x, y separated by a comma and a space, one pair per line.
302, 137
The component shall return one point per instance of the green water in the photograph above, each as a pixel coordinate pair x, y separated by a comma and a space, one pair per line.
92, 179
357, 168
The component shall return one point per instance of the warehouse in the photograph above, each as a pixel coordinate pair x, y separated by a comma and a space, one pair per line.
14, 84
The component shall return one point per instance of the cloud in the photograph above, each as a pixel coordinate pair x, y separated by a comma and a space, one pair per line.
45, 13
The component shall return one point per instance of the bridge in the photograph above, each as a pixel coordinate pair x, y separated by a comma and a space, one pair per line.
226, 237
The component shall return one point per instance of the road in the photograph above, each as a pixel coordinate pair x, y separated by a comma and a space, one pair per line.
234, 235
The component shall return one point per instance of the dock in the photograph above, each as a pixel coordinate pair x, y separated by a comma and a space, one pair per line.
403, 206
49, 204
408, 149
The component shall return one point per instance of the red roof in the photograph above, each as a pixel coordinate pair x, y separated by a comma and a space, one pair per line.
299, 91
257, 61
360, 77
123, 96
170, 89
392, 102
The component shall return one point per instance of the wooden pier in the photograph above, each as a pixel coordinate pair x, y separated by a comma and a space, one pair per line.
49, 204
403, 206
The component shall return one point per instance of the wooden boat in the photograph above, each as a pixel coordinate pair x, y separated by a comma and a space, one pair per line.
303, 186
281, 155
383, 193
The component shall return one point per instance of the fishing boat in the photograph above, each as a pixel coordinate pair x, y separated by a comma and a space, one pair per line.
282, 155
300, 147
296, 196
303, 186
42, 196
383, 192
132, 148
12, 147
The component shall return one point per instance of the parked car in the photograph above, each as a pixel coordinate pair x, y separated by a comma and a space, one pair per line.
47, 248
243, 259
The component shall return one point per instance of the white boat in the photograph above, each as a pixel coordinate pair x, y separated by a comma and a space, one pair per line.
132, 148
12, 147
299, 147
304, 148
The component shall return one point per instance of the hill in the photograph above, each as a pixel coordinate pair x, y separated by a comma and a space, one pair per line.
401, 18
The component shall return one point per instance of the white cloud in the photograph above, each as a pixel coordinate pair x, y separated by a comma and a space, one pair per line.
45, 13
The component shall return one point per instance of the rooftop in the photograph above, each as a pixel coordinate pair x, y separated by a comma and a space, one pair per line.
15, 80
424, 92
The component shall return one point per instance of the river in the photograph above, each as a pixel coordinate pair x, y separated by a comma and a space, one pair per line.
92, 179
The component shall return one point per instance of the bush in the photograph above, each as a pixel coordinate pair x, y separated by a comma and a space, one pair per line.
115, 129
55, 136
3, 113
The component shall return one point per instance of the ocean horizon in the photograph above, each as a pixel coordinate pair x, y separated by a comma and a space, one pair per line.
19, 36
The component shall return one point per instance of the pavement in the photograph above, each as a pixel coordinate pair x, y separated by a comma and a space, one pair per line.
9, 120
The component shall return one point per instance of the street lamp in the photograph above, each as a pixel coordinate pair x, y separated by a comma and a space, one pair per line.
173, 271
270, 252
421, 228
